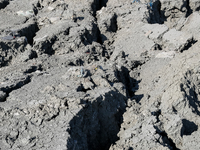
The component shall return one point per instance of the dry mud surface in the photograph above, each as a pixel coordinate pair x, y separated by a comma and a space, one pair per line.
99, 75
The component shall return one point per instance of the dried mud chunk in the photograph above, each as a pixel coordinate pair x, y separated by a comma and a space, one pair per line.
176, 40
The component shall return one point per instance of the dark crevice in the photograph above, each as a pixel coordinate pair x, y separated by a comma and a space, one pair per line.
197, 9
71, 64
158, 47
189, 45
4, 63
157, 114
35, 10
130, 84
47, 46
87, 38
113, 26
79, 62
99, 37
96, 126
97, 5
29, 32
192, 98
66, 104
39, 6
174, 110
3, 96
16, 86
12, 139
3, 4
33, 69
82, 89
33, 54
189, 10
168, 141
54, 116
137, 63
188, 127
102, 3
156, 15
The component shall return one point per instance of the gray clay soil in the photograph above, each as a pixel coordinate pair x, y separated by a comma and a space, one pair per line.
99, 75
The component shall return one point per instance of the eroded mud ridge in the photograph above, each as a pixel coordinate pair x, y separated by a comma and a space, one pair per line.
99, 75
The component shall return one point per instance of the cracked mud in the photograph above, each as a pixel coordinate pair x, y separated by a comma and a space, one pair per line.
99, 75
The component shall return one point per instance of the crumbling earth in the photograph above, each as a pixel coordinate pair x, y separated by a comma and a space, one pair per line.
99, 75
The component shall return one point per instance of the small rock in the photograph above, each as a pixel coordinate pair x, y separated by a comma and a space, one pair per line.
28, 13
169, 54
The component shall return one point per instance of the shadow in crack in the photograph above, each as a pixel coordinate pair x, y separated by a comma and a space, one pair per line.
132, 85
156, 15
189, 10
29, 32
3, 4
97, 5
102, 3
189, 45
191, 96
96, 126
188, 127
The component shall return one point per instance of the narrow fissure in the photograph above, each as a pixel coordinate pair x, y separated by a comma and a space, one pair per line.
54, 116
30, 32
130, 84
99, 39
33, 69
189, 45
168, 141
189, 10
191, 98
96, 6
157, 114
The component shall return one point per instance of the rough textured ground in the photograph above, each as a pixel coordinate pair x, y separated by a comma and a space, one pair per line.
99, 75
